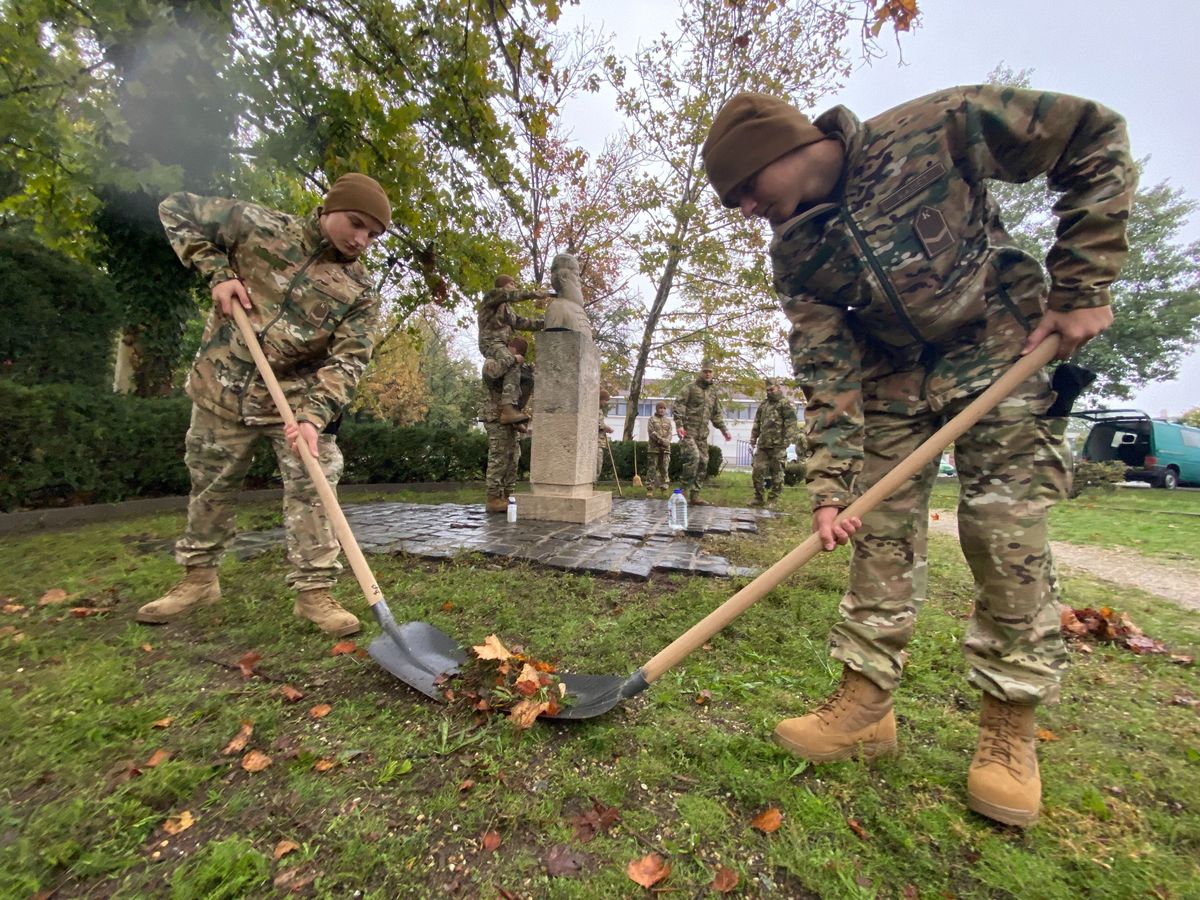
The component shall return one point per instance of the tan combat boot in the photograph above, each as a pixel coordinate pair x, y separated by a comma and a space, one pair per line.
1003, 782
319, 607
510, 415
856, 720
757, 501
496, 505
199, 587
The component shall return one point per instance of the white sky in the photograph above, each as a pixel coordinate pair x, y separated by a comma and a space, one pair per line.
1137, 56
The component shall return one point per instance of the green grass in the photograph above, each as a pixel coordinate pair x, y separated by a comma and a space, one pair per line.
79, 698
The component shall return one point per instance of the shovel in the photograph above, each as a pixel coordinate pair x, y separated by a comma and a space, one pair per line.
593, 695
392, 649
637, 479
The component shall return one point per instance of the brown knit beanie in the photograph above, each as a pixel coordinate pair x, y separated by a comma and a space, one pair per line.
751, 131
360, 193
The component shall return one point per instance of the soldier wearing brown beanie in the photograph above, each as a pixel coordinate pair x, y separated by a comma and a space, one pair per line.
907, 298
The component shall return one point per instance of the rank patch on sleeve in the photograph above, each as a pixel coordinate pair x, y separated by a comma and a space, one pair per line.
932, 231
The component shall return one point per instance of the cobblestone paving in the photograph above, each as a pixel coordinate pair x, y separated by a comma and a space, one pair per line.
631, 542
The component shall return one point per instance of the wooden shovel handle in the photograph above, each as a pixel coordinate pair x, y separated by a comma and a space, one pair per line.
930, 450
358, 562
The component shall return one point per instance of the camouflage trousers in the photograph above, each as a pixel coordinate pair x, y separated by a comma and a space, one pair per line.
1012, 466
768, 466
659, 465
601, 455
693, 455
501, 368
218, 453
504, 457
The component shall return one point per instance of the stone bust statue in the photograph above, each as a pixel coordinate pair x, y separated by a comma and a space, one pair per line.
565, 312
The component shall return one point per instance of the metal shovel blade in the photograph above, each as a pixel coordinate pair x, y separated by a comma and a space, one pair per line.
417, 653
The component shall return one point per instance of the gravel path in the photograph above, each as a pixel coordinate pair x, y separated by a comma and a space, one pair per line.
1177, 582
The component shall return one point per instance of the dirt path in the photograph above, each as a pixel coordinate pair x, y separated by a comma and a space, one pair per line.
1177, 582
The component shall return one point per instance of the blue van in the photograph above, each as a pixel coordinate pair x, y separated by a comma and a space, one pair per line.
1154, 450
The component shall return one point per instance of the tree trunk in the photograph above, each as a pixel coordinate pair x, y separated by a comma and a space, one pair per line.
639, 370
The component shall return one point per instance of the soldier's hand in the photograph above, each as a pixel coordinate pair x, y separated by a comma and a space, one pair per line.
834, 533
519, 358
225, 293
1077, 327
302, 430
682, 432
727, 435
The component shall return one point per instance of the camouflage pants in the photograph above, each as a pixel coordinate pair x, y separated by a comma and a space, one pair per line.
659, 459
768, 466
501, 370
693, 454
504, 456
1012, 466
601, 455
218, 454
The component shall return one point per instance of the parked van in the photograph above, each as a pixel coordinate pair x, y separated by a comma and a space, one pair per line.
1154, 450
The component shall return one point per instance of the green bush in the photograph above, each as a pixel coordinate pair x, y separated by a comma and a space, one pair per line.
59, 316
1102, 476
67, 444
622, 454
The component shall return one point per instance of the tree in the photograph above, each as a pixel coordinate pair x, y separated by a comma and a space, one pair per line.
1191, 417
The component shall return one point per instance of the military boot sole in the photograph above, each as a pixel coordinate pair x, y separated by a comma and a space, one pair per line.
861, 750
157, 618
345, 631
1022, 818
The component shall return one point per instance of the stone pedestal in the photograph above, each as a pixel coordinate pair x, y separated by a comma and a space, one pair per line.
563, 463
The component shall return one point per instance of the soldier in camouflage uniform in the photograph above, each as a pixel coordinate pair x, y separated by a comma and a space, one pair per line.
603, 430
316, 312
907, 298
696, 407
658, 432
774, 430
504, 449
497, 321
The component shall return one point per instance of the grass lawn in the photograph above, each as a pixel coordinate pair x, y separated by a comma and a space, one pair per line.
86, 702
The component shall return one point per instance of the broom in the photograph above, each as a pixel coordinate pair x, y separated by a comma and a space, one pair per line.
637, 479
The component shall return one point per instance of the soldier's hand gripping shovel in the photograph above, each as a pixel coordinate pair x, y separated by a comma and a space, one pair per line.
593, 695
391, 649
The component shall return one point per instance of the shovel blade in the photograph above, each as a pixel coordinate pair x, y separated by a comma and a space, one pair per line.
588, 696
417, 653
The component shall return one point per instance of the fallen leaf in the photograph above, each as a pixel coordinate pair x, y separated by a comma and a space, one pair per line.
181, 822
13, 608
593, 821
11, 631
563, 861
158, 756
857, 827
524, 712
491, 840
148, 648
283, 848
768, 820
320, 711
491, 648
703, 697
164, 722
506, 894
294, 880
466, 785
83, 612
324, 765
649, 870
248, 662
239, 741
341, 648
910, 892
291, 694
255, 761
724, 880
1045, 734
528, 682
54, 595
707, 647
447, 606
935, 517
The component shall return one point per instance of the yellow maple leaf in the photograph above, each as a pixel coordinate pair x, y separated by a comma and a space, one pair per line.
491, 648
525, 711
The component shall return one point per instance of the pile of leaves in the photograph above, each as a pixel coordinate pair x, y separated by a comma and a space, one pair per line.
498, 680
1109, 626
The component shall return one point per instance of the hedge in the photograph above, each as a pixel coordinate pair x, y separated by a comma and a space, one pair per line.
66, 444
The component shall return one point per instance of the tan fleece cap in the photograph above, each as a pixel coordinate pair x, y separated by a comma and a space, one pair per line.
361, 193
750, 131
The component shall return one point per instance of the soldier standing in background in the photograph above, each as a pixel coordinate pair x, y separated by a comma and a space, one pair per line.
907, 298
696, 407
504, 449
658, 434
774, 430
603, 431
497, 321
316, 314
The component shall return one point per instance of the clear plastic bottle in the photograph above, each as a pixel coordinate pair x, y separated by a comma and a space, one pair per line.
512, 508
677, 511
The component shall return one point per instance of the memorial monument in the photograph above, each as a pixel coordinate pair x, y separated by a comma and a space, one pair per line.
563, 459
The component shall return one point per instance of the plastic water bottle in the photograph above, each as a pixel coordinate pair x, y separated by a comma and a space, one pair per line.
677, 511
512, 508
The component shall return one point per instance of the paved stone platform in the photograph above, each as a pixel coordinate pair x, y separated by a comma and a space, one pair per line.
632, 542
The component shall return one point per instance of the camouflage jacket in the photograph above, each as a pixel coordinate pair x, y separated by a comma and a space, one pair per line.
774, 424
907, 292
497, 321
316, 312
696, 407
602, 429
658, 430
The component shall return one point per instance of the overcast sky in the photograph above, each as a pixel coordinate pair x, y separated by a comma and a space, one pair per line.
1137, 56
